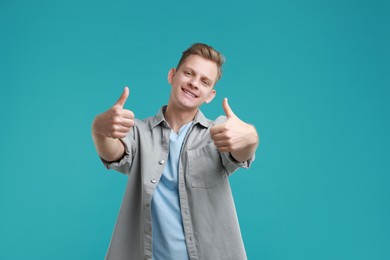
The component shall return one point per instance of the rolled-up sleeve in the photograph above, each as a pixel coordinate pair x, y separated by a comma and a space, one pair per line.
123, 165
231, 165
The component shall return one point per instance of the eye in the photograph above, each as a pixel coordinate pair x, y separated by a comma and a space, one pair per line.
187, 73
206, 83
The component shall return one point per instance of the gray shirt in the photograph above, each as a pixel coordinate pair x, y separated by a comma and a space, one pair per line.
209, 216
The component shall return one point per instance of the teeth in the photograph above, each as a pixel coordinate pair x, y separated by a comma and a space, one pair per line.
189, 93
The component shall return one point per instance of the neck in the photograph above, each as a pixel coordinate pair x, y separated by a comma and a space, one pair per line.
176, 118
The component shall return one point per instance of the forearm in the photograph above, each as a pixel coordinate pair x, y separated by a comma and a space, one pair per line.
109, 149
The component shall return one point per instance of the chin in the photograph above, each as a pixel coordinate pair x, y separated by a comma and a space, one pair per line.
187, 106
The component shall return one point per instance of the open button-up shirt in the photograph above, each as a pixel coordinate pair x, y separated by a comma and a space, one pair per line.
209, 216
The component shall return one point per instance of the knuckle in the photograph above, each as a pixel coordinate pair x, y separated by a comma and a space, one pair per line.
223, 149
116, 111
113, 128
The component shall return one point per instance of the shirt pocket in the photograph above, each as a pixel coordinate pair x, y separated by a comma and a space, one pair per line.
205, 167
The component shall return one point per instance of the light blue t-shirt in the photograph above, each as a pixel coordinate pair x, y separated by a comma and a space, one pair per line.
167, 225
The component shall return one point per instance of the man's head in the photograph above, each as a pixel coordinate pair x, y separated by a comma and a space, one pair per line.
207, 52
194, 78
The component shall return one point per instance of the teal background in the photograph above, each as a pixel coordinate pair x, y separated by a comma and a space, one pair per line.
312, 76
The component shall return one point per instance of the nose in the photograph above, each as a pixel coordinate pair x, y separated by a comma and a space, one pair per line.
193, 82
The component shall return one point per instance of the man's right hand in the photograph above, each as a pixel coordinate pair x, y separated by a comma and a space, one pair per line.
115, 122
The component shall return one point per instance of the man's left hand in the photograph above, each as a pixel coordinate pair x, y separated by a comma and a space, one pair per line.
235, 136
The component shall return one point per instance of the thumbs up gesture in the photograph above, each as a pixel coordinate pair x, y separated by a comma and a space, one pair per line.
235, 136
115, 122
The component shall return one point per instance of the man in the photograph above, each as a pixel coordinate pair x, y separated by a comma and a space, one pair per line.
178, 203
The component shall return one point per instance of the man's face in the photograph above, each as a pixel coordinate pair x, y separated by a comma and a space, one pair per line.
193, 83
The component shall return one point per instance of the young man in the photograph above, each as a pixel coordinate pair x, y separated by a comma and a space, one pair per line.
178, 203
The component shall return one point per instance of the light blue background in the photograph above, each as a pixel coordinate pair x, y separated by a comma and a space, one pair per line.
312, 76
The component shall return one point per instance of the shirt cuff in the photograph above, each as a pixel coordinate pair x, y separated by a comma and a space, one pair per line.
232, 164
116, 165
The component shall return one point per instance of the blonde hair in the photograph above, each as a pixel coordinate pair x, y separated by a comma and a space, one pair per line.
205, 51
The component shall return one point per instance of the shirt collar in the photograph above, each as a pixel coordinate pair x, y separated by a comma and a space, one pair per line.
199, 118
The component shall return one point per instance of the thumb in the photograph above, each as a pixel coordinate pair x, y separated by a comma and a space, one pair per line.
122, 100
228, 111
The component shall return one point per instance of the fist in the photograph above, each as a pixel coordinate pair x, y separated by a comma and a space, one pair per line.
234, 135
115, 122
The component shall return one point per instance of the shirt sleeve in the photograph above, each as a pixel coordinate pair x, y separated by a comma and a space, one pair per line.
232, 165
123, 165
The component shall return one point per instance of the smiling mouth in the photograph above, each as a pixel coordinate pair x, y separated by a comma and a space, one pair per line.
188, 93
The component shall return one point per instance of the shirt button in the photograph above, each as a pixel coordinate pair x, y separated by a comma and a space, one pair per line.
153, 181
161, 162
147, 205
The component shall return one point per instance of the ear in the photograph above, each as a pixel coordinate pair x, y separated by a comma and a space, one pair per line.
211, 96
171, 73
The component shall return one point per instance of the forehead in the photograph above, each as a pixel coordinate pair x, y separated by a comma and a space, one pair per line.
202, 66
